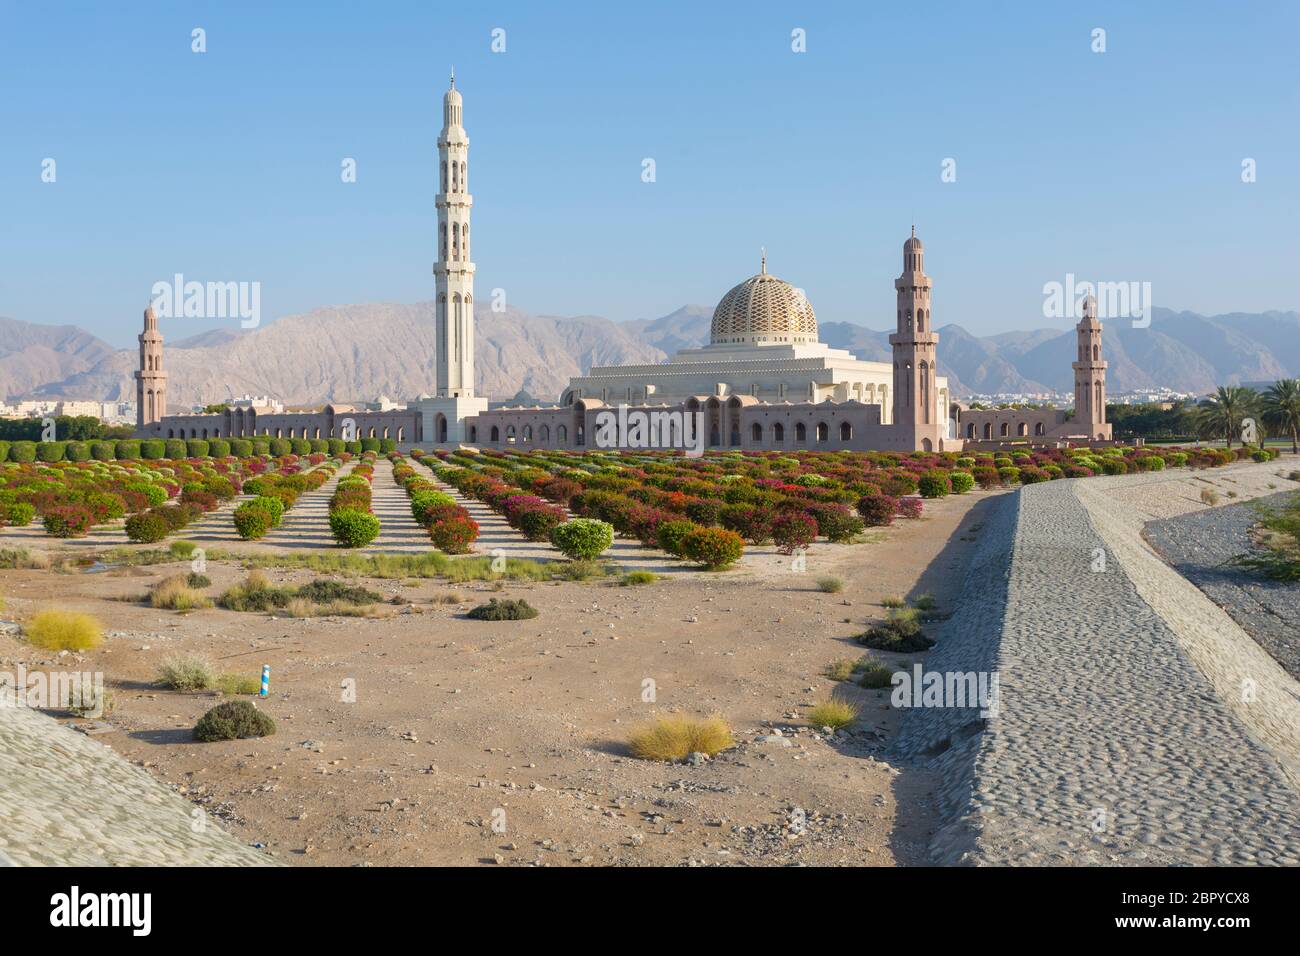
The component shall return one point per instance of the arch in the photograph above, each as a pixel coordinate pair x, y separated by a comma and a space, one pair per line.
1022, 429
561, 434
1096, 352
988, 430
510, 434
473, 433
846, 431
823, 431
970, 431
171, 433
800, 433
1006, 430
496, 433
756, 432
440, 428
927, 445
544, 433
528, 433
778, 432
401, 433
1040, 429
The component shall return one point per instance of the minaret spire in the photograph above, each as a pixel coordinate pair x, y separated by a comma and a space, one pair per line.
454, 270
150, 379
915, 397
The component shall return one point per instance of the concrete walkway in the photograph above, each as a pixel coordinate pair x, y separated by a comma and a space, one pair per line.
1122, 734
67, 800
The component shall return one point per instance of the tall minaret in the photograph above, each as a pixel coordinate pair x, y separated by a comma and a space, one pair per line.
1090, 374
453, 271
150, 379
914, 343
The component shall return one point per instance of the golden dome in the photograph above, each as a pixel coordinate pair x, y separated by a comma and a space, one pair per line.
763, 310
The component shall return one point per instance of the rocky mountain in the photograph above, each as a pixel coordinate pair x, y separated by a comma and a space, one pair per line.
358, 352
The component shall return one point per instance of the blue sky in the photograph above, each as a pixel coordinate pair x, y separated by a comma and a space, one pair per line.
1124, 165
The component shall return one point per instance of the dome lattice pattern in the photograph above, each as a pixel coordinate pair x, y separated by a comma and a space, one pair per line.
764, 308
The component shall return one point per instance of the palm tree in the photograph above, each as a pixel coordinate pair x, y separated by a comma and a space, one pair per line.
1281, 407
1220, 416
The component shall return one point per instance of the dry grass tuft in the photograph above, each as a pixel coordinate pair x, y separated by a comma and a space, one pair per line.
841, 669
175, 594
676, 737
186, 672
833, 712
233, 684
64, 631
830, 585
448, 597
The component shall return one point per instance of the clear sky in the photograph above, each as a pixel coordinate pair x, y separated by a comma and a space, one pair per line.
225, 166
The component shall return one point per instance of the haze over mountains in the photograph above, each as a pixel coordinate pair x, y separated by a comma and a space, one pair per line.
358, 352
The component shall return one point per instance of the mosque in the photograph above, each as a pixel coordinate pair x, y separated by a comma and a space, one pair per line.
764, 381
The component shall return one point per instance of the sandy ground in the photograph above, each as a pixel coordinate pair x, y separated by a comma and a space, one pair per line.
504, 743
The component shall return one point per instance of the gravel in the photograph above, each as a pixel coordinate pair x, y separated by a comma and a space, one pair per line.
1199, 544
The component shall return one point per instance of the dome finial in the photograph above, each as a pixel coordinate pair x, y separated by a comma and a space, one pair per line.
913, 230
763, 259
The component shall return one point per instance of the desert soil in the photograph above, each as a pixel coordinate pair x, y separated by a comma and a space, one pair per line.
504, 742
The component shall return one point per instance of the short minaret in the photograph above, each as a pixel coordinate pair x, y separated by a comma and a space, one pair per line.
150, 379
915, 394
454, 271
1090, 375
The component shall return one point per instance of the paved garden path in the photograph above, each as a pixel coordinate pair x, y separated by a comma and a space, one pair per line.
398, 530
68, 800
307, 523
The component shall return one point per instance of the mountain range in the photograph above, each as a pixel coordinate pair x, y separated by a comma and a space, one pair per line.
358, 352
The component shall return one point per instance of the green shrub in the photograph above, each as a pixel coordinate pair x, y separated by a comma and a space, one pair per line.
241, 447
50, 451
272, 505
174, 448
934, 484
233, 720
714, 548
583, 537
77, 451
146, 527
503, 610
23, 452
280, 446
672, 535
102, 450
128, 450
19, 514
151, 449
962, 482
68, 521
901, 632
251, 521
353, 528
218, 448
